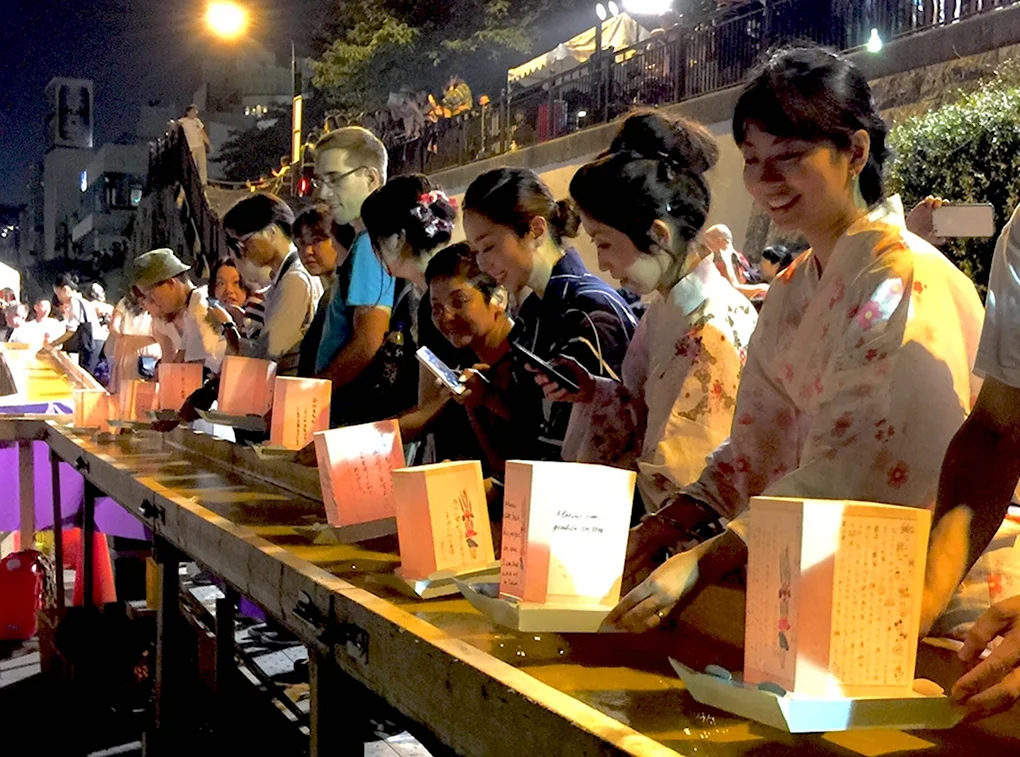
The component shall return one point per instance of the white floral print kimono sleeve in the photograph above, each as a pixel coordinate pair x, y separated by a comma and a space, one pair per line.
680, 379
857, 378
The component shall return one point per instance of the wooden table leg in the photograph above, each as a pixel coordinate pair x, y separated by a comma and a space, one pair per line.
335, 721
58, 529
26, 492
226, 665
168, 644
88, 543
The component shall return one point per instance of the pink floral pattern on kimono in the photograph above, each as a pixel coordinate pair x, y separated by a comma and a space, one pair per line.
680, 379
857, 376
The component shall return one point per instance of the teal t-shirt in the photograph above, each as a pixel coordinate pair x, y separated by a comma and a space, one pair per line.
370, 285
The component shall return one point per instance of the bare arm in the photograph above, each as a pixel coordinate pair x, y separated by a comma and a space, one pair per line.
370, 327
431, 401
979, 474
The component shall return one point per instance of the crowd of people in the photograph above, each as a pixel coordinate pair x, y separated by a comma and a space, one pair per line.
844, 372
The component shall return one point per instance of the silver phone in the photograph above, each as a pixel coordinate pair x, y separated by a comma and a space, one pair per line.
974, 220
439, 369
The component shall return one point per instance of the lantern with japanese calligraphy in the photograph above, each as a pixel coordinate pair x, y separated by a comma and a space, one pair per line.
137, 398
177, 382
834, 596
442, 519
246, 386
356, 465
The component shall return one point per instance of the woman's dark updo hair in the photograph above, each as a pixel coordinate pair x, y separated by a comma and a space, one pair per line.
778, 254
512, 197
413, 205
654, 169
812, 94
459, 260
68, 280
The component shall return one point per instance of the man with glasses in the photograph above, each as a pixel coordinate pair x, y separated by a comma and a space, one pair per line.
260, 228
350, 164
180, 310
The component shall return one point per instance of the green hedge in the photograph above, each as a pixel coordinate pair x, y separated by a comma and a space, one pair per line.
966, 151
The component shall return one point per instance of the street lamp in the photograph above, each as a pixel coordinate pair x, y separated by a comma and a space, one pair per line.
647, 7
229, 21
226, 19
875, 42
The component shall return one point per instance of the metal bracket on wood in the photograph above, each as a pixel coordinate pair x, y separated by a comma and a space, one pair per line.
152, 511
81, 465
350, 636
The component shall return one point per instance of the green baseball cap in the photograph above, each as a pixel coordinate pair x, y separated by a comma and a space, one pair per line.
155, 267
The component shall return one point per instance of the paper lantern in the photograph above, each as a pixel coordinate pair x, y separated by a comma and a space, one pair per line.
565, 529
300, 410
834, 594
246, 386
442, 518
177, 382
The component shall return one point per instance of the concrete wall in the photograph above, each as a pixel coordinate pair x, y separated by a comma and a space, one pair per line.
907, 71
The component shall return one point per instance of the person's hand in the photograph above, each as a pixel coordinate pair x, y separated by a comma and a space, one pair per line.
651, 601
219, 316
570, 368
166, 426
994, 684
920, 222
306, 456
477, 387
188, 412
646, 549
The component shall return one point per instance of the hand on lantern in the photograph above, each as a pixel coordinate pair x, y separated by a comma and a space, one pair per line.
993, 685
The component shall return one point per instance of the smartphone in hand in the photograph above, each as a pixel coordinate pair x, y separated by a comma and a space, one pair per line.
975, 220
551, 372
449, 377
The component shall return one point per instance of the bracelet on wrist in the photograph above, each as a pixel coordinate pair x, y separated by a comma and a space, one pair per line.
703, 523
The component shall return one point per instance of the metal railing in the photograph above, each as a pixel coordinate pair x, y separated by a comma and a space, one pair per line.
673, 66
171, 166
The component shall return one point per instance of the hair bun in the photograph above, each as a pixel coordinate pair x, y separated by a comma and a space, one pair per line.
567, 220
683, 145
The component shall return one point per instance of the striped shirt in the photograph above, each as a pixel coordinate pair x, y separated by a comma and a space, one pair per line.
581, 317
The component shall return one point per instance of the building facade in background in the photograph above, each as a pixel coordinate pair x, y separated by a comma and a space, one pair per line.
69, 135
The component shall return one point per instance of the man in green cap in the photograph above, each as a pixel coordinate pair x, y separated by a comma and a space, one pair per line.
180, 310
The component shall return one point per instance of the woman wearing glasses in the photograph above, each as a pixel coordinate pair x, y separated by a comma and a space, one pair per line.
261, 228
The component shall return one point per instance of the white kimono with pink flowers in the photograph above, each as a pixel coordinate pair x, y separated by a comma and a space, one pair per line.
680, 378
856, 380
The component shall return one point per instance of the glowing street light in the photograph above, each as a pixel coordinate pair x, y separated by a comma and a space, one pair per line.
648, 7
226, 19
874, 42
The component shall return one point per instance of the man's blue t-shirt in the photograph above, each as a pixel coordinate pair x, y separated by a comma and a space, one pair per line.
370, 285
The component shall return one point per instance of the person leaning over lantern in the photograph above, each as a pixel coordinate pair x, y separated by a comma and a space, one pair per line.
859, 372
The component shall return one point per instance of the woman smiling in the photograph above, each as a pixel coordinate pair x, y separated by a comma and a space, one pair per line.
859, 372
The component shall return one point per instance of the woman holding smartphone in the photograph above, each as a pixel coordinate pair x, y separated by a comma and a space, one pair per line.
644, 203
518, 233
860, 369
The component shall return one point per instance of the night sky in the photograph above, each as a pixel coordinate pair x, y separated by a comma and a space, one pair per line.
134, 50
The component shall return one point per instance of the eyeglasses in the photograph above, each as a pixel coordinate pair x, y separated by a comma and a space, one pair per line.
238, 243
333, 179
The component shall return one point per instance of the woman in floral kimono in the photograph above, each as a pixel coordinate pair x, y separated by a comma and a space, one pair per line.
859, 372
644, 204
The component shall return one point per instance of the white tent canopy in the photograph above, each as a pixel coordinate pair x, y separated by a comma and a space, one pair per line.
617, 33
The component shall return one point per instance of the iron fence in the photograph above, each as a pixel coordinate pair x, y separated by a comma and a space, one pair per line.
672, 66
